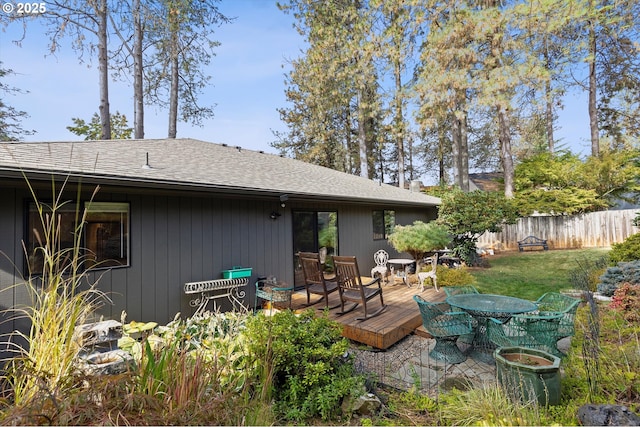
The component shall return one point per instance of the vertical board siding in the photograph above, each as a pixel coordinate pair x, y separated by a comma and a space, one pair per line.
171, 263
137, 272
10, 264
592, 230
162, 294
148, 255
355, 226
185, 253
178, 238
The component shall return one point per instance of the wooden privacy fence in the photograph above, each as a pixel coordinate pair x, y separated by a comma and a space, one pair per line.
595, 229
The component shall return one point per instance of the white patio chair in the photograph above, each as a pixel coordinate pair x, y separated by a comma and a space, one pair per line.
381, 257
424, 275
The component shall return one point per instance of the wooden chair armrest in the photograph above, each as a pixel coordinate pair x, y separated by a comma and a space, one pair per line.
372, 281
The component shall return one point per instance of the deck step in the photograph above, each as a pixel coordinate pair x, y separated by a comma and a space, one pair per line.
400, 319
422, 332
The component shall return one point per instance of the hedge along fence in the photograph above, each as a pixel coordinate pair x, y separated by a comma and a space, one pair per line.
592, 230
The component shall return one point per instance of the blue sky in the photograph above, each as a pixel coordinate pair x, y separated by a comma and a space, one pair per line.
247, 84
247, 81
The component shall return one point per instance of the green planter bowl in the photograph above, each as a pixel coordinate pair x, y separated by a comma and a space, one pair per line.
528, 374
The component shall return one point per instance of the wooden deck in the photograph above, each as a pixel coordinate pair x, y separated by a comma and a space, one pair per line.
400, 318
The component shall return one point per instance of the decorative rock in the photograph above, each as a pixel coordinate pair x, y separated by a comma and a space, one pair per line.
607, 415
100, 354
367, 404
106, 363
101, 335
600, 297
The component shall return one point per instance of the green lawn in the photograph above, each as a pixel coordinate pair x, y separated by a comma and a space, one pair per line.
530, 274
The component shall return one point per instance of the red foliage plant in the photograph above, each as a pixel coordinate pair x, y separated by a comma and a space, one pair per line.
627, 300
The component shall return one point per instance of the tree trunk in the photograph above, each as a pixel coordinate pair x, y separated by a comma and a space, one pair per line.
505, 151
173, 94
138, 89
549, 103
103, 70
399, 120
381, 162
362, 137
549, 118
455, 151
347, 162
593, 112
442, 176
464, 154
174, 29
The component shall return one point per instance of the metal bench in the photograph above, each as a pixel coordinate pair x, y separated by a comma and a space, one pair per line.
214, 289
532, 241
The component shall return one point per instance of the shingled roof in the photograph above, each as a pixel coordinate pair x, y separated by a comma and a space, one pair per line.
196, 165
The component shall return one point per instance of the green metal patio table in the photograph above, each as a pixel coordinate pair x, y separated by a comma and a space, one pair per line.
482, 307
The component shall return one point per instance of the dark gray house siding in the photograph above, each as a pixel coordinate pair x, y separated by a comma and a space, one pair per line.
194, 209
189, 235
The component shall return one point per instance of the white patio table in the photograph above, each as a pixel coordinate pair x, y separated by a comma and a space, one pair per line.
401, 272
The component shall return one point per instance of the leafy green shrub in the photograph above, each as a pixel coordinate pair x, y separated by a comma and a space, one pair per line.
466, 249
454, 276
467, 215
562, 183
613, 277
629, 250
302, 364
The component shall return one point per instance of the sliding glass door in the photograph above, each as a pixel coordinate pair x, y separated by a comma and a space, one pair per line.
314, 231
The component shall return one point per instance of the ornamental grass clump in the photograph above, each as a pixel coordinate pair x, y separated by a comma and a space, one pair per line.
59, 299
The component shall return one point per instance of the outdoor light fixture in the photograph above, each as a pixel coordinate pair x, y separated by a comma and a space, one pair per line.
274, 215
283, 199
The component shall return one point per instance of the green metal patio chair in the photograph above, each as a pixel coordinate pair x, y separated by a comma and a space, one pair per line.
455, 290
445, 326
554, 302
463, 289
537, 331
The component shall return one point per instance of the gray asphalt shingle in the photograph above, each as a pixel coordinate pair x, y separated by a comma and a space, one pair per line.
194, 163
